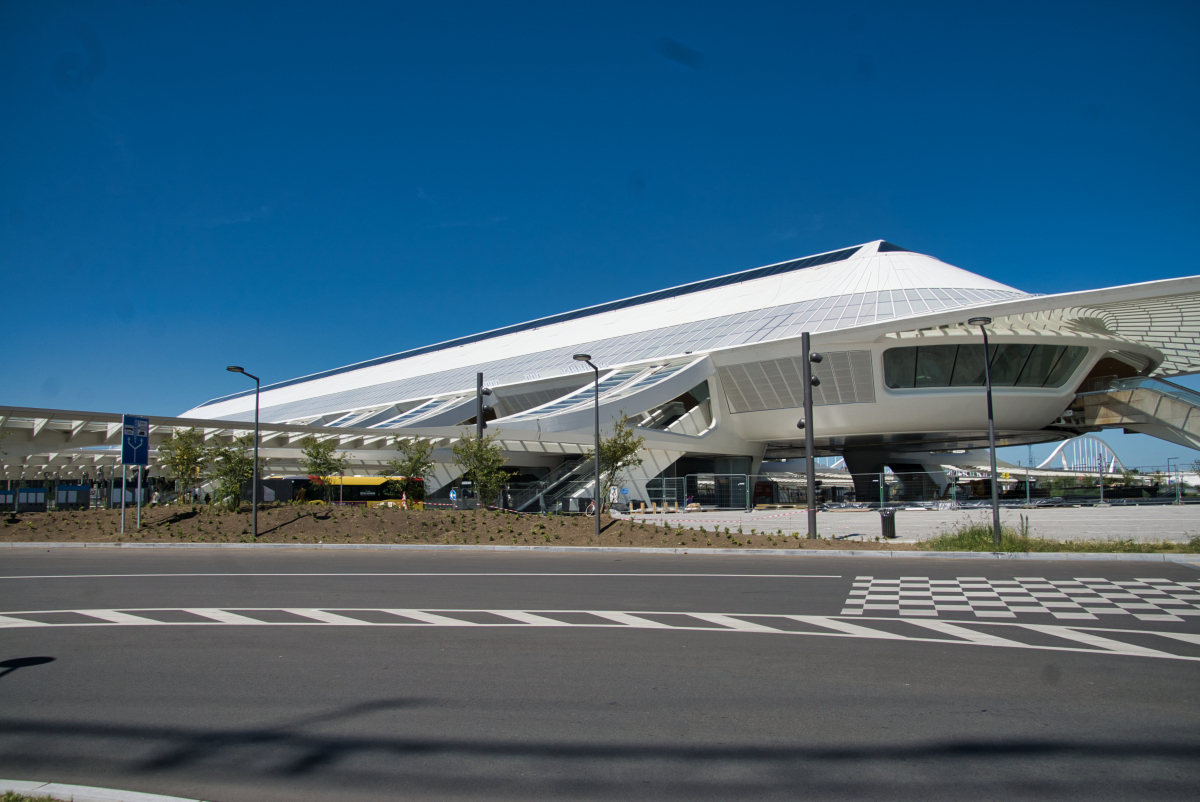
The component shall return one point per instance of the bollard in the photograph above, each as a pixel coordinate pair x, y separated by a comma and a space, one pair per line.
888, 519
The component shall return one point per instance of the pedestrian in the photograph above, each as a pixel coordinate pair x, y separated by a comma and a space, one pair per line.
154, 499
208, 498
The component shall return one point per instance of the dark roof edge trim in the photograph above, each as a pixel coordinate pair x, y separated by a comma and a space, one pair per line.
624, 303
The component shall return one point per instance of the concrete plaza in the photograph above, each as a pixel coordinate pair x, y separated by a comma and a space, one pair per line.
1143, 523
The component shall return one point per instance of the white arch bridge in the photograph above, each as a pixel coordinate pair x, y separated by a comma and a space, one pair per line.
1084, 453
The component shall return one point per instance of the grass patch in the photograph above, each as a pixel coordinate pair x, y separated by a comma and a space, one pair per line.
13, 796
976, 535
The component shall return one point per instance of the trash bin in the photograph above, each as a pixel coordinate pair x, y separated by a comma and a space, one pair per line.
888, 518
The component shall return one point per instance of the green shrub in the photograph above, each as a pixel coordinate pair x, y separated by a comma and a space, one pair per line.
976, 535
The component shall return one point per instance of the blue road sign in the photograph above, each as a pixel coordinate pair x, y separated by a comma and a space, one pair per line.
135, 440
624, 491
453, 495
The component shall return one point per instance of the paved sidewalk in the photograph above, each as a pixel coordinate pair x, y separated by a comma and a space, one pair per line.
1165, 522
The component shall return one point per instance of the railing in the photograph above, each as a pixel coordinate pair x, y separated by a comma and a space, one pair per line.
523, 498
935, 489
1161, 386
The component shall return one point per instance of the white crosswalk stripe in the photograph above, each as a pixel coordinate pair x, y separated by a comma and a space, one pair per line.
114, 617
733, 623
223, 616
974, 636
1092, 639
633, 621
322, 615
1069, 638
432, 618
845, 627
527, 618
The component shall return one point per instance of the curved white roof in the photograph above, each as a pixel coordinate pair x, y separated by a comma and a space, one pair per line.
854, 286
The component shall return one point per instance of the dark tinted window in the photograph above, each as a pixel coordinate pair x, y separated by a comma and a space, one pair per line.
887, 247
1012, 364
899, 367
1037, 368
1007, 362
1066, 366
935, 363
968, 368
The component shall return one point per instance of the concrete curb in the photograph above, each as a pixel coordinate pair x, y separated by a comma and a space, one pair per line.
83, 793
1187, 559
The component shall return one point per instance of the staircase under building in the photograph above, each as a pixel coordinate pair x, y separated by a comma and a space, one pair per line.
1140, 404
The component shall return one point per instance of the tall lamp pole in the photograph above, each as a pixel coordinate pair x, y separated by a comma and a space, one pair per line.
599, 501
810, 469
1176, 476
253, 487
983, 323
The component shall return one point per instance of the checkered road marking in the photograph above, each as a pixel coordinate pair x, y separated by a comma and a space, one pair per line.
1083, 598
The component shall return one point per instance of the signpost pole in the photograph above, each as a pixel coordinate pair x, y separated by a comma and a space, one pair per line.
137, 499
124, 473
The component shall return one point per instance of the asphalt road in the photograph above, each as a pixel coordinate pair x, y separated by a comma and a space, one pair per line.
255, 676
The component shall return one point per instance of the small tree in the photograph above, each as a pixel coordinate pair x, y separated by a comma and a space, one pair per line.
183, 456
414, 464
321, 462
232, 467
619, 454
481, 461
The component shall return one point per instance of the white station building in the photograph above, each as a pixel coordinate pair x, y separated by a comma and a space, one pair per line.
711, 374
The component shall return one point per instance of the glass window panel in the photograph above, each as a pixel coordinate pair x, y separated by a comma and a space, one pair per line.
1007, 362
899, 367
1038, 366
1066, 366
968, 368
935, 364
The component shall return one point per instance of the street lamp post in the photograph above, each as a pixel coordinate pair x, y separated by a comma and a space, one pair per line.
254, 486
810, 471
982, 323
588, 359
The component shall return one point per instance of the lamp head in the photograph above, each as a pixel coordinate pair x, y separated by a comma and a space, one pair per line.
979, 321
235, 369
583, 357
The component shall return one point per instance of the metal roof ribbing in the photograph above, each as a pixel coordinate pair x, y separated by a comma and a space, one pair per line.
625, 303
763, 325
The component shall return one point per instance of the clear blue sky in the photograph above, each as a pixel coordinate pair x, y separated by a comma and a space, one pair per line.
297, 186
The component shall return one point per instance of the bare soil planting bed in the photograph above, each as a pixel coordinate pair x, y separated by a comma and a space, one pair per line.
319, 524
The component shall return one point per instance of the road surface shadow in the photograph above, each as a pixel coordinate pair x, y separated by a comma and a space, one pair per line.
12, 665
306, 759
